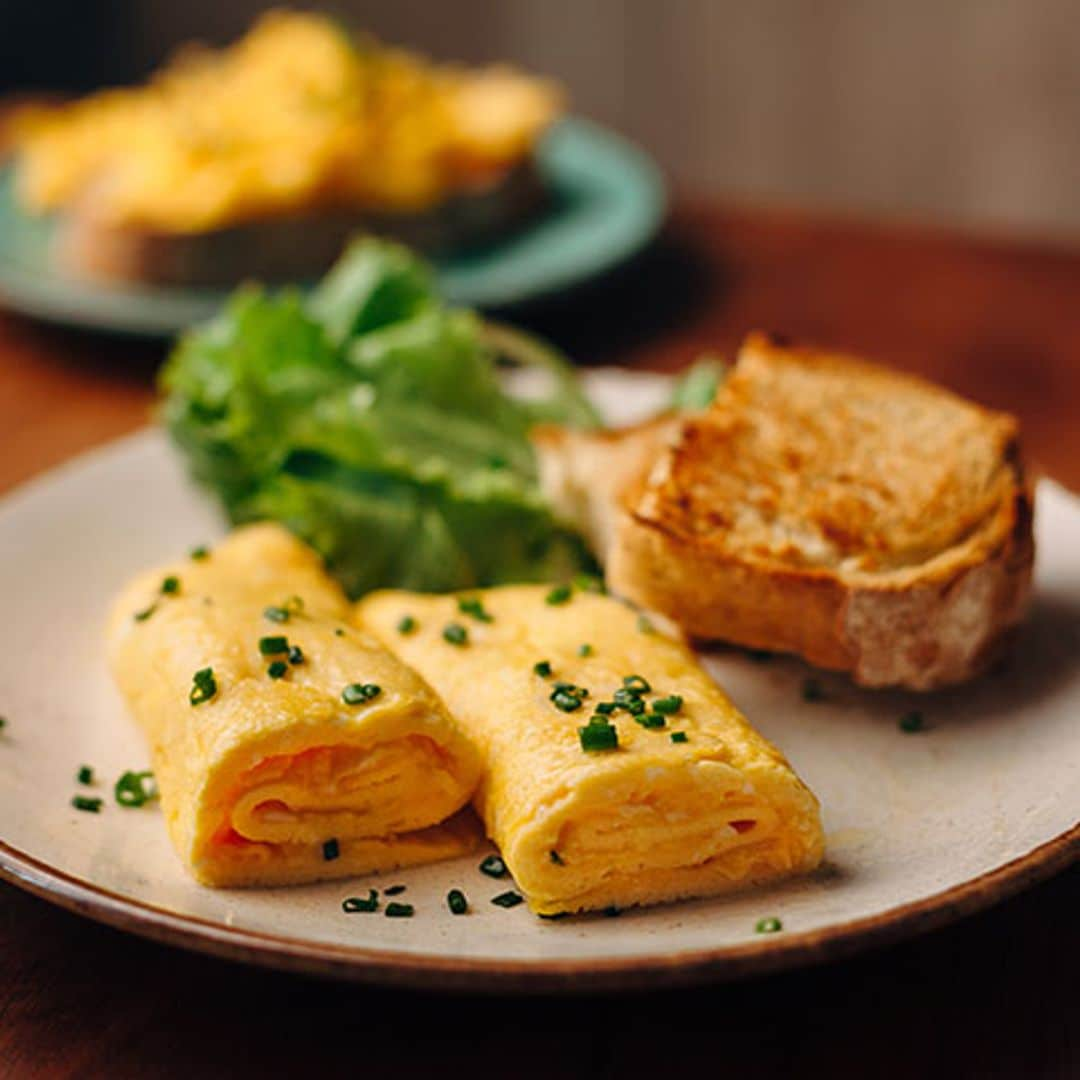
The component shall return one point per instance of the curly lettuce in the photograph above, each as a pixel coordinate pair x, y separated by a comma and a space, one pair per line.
372, 421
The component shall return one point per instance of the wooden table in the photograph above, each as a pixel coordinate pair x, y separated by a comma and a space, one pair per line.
996, 995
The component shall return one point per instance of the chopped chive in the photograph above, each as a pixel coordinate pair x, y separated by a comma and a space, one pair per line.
474, 606
351, 904
542, 668
812, 690
85, 775
170, 586
135, 789
331, 849
455, 634
669, 705
559, 595
645, 625
493, 866
276, 614
679, 736
394, 910
650, 720
142, 616
406, 624
628, 700
456, 902
585, 650
589, 583
556, 858
296, 655
199, 553
606, 708
338, 632
277, 669
768, 926
82, 802
204, 686
359, 693
636, 684
273, 645
3, 722
566, 701
911, 722
598, 736
394, 890
507, 899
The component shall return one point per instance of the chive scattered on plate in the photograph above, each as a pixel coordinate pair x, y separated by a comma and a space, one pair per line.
394, 910
768, 926
456, 902
352, 904
507, 899
135, 789
83, 802
85, 775
493, 866
812, 690
912, 722
394, 890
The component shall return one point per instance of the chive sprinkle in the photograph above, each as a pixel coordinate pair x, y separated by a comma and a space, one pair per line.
135, 789
912, 722
605, 708
650, 720
566, 700
359, 693
585, 650
277, 669
352, 904
636, 684
812, 691
331, 849
170, 586
679, 736
276, 614
493, 866
406, 624
296, 655
669, 705
456, 902
3, 722
590, 583
645, 625
598, 736
559, 595
85, 775
455, 634
394, 890
338, 632
199, 553
204, 686
82, 802
273, 645
542, 668
507, 899
474, 606
556, 858
394, 910
142, 616
768, 926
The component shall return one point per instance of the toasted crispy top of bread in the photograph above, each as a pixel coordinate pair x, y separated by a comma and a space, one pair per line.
815, 460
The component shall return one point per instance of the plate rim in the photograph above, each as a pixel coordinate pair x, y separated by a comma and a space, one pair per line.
172, 309
661, 971
388, 967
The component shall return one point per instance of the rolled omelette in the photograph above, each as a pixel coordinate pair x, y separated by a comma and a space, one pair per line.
288, 746
691, 802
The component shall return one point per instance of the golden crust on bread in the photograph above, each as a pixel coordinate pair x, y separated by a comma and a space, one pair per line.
863, 519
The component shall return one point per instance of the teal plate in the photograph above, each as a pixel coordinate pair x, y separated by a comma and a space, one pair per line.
608, 200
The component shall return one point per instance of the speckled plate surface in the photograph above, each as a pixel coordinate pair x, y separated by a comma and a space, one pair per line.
607, 201
920, 828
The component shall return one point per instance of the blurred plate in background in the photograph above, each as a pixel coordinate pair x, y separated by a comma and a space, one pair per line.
608, 201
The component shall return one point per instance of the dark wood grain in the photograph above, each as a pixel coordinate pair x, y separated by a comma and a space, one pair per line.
995, 995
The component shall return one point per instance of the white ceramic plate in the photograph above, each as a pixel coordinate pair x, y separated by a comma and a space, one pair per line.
921, 828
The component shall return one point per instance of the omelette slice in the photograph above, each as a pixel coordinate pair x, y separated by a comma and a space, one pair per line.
288, 746
616, 772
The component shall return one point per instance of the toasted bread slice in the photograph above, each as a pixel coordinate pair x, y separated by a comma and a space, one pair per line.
866, 520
